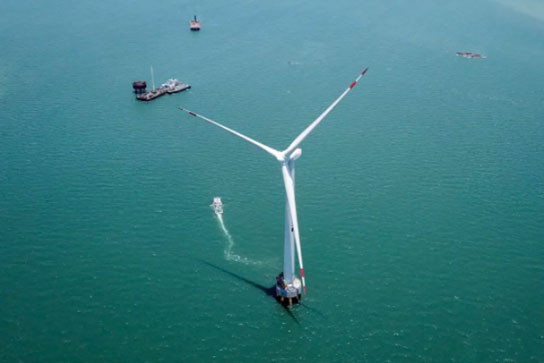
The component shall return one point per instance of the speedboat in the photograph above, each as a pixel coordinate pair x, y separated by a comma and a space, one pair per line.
217, 205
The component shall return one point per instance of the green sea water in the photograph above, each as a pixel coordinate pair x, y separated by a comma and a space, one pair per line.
420, 197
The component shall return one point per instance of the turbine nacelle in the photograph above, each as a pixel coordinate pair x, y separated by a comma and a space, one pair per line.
295, 154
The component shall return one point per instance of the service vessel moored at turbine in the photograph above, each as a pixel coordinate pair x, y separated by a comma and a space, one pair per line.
288, 286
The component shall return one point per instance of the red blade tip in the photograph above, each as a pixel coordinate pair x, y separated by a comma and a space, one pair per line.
366, 69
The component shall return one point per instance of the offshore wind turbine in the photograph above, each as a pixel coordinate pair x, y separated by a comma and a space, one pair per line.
288, 286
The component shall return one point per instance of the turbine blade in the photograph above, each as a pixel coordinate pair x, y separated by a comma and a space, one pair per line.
268, 149
290, 191
316, 122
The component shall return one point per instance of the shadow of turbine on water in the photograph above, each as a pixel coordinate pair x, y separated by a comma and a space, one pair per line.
269, 291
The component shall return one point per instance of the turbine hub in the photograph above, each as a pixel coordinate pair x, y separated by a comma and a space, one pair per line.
280, 157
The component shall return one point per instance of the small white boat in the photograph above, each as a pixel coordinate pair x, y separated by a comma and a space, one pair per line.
195, 24
217, 205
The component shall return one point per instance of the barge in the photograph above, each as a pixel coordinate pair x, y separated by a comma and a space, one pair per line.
171, 86
470, 55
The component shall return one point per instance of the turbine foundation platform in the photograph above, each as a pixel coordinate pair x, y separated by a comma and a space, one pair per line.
287, 293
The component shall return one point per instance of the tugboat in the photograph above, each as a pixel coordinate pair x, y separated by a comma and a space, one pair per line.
195, 24
217, 206
174, 86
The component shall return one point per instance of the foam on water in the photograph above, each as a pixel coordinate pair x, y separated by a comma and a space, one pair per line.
229, 255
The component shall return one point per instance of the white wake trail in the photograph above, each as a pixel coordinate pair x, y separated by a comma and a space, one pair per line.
229, 256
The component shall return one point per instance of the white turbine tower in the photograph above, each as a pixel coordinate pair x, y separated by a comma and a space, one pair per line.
288, 286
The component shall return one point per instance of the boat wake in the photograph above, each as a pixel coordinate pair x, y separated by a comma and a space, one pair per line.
229, 255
